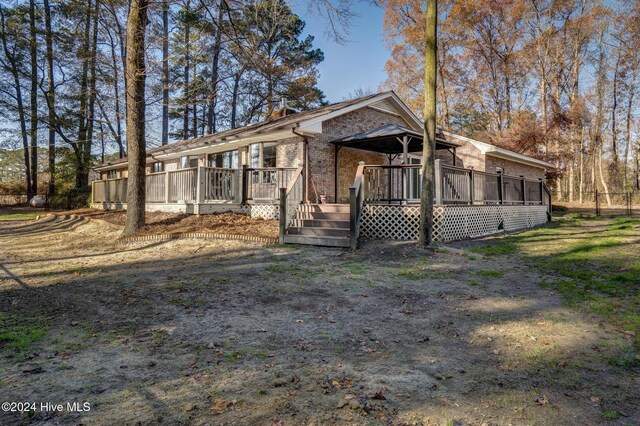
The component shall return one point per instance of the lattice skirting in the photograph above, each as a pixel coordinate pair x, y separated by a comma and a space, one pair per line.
449, 222
264, 211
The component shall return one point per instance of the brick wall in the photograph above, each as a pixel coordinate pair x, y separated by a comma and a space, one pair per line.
290, 152
513, 169
321, 151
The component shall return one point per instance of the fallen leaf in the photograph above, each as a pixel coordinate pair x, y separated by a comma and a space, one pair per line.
379, 395
542, 400
219, 406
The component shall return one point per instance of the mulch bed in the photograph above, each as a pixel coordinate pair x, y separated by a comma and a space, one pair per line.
173, 223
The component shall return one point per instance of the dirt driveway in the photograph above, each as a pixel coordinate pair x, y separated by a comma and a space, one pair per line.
195, 332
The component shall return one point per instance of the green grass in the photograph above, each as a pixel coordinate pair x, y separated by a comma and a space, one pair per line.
491, 274
597, 262
19, 215
18, 335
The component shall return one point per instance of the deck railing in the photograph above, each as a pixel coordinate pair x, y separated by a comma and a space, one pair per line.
182, 185
263, 184
202, 185
109, 190
220, 184
400, 184
291, 195
155, 187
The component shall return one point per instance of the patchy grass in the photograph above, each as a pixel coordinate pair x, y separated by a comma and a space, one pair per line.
491, 273
18, 215
597, 260
19, 335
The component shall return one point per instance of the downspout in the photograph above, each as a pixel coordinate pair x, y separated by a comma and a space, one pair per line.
305, 158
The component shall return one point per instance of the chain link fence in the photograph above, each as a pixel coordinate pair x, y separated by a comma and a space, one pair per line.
608, 204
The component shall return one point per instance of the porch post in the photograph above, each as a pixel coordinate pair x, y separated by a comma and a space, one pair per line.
523, 185
500, 187
541, 191
200, 188
166, 187
438, 182
405, 161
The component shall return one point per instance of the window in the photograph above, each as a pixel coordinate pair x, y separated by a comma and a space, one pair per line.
188, 162
263, 154
226, 160
157, 167
113, 174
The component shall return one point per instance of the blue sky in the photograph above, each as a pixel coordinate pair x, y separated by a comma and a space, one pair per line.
357, 64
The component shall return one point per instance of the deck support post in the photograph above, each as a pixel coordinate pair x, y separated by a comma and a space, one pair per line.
500, 187
472, 187
283, 214
438, 182
166, 187
245, 183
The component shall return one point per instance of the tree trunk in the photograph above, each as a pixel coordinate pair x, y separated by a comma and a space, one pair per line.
92, 97
117, 133
165, 72
51, 98
82, 124
19, 103
33, 47
211, 124
136, 75
429, 138
234, 99
187, 70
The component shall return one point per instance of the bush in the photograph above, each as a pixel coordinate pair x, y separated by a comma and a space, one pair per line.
71, 199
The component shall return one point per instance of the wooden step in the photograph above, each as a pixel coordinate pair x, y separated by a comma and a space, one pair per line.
320, 223
330, 208
319, 232
317, 241
325, 215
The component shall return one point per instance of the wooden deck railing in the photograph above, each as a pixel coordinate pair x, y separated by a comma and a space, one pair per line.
291, 196
263, 184
356, 199
400, 184
202, 185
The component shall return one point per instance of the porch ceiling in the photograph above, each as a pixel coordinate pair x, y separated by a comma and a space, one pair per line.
387, 139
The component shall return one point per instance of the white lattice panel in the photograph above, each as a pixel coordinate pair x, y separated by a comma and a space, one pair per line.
390, 222
450, 223
265, 211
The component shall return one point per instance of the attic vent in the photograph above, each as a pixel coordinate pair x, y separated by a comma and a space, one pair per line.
386, 106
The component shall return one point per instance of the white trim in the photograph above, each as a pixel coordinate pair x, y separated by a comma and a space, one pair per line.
495, 151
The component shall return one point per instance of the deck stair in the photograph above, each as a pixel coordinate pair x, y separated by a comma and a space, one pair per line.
320, 225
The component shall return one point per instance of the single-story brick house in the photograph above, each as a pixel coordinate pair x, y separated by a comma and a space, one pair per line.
373, 142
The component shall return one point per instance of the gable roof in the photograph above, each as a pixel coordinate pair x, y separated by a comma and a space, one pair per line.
305, 122
496, 151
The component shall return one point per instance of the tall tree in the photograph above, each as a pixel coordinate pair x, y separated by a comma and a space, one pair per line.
136, 142
165, 72
51, 98
429, 117
33, 50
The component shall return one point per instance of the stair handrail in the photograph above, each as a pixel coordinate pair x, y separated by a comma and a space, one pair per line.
285, 215
355, 205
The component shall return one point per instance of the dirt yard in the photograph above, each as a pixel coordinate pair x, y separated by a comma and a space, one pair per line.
228, 332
